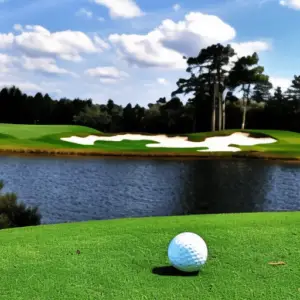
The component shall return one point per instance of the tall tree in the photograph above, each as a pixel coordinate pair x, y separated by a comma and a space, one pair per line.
129, 119
116, 113
195, 85
278, 95
293, 91
261, 91
214, 61
219, 56
172, 110
293, 94
93, 117
207, 78
245, 74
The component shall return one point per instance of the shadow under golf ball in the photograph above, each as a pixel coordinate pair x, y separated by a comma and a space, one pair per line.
171, 271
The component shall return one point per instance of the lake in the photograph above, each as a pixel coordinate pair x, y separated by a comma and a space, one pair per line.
81, 189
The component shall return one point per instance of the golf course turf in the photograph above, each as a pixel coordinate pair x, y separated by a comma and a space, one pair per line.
250, 256
127, 259
46, 139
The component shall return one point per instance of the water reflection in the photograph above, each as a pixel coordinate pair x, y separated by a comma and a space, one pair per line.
69, 190
284, 191
225, 186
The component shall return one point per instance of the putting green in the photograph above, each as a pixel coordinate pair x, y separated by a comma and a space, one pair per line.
127, 259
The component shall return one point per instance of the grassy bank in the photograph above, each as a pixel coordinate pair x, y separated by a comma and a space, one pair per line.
44, 139
127, 259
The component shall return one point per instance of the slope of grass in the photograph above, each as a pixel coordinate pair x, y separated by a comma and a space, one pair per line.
25, 132
47, 139
127, 258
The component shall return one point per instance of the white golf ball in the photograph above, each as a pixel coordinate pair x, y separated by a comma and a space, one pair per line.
187, 252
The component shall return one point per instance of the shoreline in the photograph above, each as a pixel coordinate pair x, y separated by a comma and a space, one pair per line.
148, 155
207, 215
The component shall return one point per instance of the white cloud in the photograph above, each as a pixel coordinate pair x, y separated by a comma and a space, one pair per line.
28, 86
37, 28
121, 8
4, 58
6, 62
176, 7
44, 65
165, 45
9, 64
146, 51
18, 27
37, 41
101, 43
162, 81
294, 4
100, 19
148, 84
58, 91
108, 80
284, 83
84, 13
6, 40
23, 86
106, 74
248, 48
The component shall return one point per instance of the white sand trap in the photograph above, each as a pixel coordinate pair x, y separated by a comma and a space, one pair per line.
214, 144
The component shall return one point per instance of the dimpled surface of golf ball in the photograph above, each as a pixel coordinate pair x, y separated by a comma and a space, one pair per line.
187, 252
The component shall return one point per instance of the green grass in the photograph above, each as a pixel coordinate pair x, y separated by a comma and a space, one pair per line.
14, 136
25, 132
46, 138
117, 258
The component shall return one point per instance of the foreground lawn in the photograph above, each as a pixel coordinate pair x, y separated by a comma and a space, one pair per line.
123, 259
47, 139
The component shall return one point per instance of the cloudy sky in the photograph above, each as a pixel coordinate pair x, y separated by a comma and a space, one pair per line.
131, 50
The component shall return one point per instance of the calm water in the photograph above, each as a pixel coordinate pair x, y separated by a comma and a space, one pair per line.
68, 189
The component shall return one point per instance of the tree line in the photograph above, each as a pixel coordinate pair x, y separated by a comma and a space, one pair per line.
225, 92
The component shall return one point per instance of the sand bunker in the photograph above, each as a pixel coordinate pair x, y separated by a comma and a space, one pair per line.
214, 144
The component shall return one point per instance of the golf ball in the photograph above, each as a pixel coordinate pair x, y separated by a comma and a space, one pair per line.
187, 252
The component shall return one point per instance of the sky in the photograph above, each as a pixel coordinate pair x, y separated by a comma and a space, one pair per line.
132, 50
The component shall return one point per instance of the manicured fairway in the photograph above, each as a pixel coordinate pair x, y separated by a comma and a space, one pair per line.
127, 259
47, 139
25, 132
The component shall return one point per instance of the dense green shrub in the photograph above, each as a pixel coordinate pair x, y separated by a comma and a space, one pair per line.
14, 214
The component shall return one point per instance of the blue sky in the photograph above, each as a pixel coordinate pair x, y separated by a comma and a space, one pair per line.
131, 50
